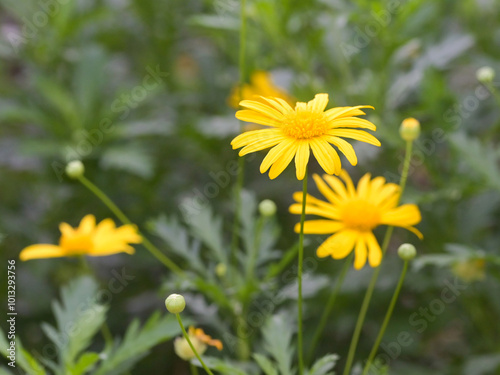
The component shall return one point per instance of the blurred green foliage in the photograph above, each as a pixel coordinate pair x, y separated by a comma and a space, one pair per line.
138, 90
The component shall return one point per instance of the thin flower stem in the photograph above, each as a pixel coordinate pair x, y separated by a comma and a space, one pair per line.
329, 306
386, 319
125, 220
194, 369
373, 281
299, 275
241, 161
186, 336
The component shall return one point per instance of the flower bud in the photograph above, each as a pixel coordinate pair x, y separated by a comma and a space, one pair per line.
407, 251
75, 169
184, 351
221, 269
175, 303
485, 74
267, 208
409, 129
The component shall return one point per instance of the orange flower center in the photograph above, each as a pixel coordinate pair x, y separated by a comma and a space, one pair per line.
360, 215
304, 125
76, 244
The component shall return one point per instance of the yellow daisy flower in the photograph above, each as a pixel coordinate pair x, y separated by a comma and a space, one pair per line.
199, 339
294, 132
353, 213
260, 84
88, 239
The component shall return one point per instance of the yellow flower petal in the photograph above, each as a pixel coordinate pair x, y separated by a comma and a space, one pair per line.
360, 253
280, 104
352, 122
338, 245
374, 251
364, 186
275, 153
402, 216
313, 210
358, 135
326, 156
262, 108
344, 147
258, 118
41, 251
318, 104
283, 161
87, 224
301, 159
262, 144
326, 191
334, 113
253, 136
320, 226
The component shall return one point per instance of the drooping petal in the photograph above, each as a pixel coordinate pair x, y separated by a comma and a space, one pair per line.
403, 216
358, 135
275, 153
262, 144
301, 159
344, 146
320, 226
360, 253
41, 251
283, 161
326, 155
338, 245
374, 251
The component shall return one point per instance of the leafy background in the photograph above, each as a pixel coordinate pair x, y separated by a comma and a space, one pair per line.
63, 76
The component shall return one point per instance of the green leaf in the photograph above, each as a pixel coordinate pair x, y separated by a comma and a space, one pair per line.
137, 343
78, 318
24, 359
323, 365
131, 159
277, 341
208, 229
265, 364
85, 363
222, 366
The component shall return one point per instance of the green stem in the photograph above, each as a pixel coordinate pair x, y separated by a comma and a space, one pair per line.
254, 252
186, 336
194, 369
373, 281
299, 275
125, 220
386, 319
241, 161
329, 306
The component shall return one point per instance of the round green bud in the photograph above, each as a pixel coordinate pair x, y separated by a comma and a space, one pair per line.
221, 269
267, 208
407, 251
75, 169
175, 303
485, 74
409, 129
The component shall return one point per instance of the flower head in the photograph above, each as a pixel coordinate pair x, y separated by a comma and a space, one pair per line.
88, 239
351, 214
296, 131
260, 84
199, 339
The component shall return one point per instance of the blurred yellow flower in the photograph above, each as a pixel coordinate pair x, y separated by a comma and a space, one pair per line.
199, 339
353, 213
470, 270
88, 239
260, 84
295, 131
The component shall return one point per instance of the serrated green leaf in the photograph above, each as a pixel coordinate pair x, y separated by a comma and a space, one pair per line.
84, 363
24, 359
137, 343
278, 342
265, 364
323, 365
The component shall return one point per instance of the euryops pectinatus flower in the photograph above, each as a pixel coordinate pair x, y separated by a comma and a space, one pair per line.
88, 239
296, 131
352, 214
199, 339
